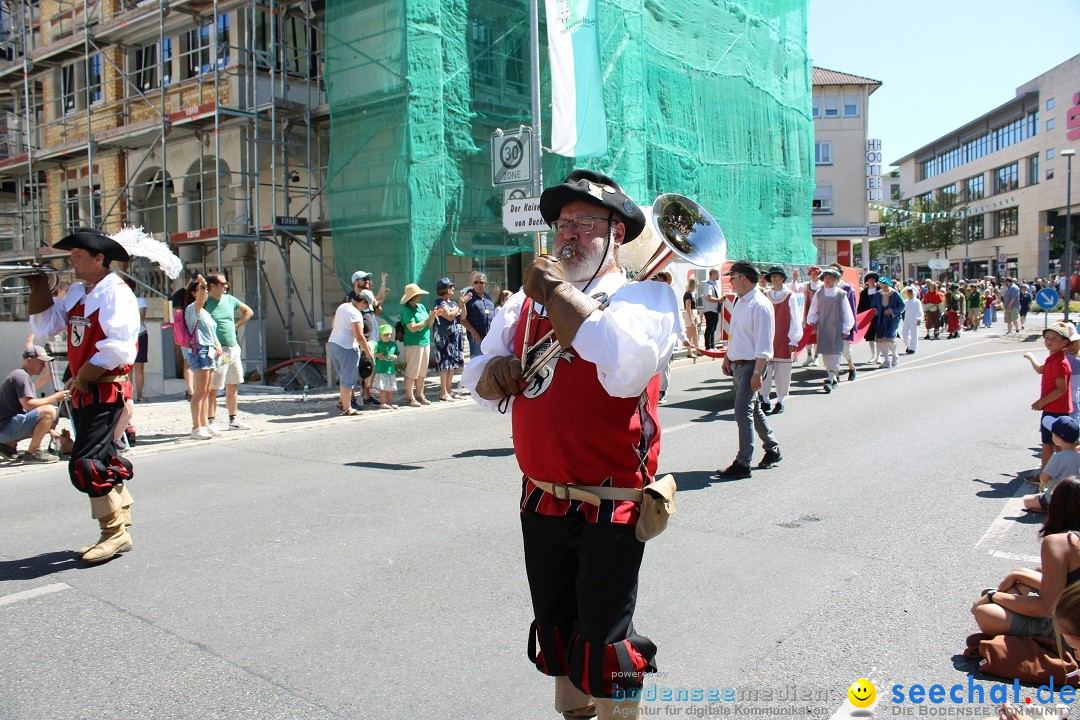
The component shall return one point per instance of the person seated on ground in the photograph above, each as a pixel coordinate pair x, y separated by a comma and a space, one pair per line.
24, 416
1020, 605
1063, 463
1066, 617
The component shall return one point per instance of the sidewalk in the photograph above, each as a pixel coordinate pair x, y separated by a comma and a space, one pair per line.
164, 423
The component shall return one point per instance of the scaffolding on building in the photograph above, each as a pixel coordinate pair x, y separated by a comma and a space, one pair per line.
101, 99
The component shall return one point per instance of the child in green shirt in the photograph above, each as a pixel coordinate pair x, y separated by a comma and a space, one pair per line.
385, 380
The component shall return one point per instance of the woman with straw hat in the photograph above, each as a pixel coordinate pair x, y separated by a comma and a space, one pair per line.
417, 323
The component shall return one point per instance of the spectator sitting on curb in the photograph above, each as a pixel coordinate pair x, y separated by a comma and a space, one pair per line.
1020, 604
24, 416
1063, 463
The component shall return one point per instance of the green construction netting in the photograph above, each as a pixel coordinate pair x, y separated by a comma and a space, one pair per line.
707, 98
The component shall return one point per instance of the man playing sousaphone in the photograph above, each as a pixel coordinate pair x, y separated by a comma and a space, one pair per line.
101, 317
581, 553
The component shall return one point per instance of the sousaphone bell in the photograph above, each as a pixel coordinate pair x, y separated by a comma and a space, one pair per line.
680, 229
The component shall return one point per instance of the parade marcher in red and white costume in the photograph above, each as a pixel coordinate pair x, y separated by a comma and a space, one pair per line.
849, 337
101, 317
832, 315
808, 289
582, 560
789, 330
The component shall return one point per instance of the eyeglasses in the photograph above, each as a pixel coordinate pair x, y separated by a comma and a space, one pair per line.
479, 282
581, 224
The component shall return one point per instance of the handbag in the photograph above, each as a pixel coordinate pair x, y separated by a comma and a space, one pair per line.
1027, 659
366, 367
657, 506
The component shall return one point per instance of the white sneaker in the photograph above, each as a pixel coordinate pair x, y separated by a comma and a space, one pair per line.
237, 425
213, 430
201, 433
895, 361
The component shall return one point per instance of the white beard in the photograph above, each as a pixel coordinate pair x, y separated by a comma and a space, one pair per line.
585, 263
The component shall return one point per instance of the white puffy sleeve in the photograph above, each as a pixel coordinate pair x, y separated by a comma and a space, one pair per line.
54, 320
795, 328
632, 339
498, 341
119, 318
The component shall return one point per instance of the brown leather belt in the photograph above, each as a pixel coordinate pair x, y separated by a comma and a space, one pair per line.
107, 379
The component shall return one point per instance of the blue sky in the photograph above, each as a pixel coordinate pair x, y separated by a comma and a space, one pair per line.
942, 62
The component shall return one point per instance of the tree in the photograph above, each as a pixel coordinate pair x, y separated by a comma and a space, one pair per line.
938, 230
899, 238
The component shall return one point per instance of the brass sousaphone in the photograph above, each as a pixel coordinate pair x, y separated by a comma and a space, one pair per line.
10, 272
677, 229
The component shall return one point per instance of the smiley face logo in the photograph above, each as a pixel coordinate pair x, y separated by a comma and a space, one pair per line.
862, 693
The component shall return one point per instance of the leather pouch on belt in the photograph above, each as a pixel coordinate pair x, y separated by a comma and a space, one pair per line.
657, 505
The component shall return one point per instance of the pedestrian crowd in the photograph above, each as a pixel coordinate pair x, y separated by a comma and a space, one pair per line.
365, 348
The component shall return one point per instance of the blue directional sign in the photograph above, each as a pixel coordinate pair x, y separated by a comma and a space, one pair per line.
1047, 298
873, 265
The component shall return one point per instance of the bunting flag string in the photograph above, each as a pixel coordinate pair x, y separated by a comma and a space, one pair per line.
887, 210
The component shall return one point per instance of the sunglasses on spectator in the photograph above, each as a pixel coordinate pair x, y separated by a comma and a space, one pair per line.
479, 282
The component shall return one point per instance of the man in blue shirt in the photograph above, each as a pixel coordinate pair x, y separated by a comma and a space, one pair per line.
1010, 299
479, 310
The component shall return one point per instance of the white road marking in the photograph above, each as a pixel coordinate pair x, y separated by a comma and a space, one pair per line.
999, 528
36, 592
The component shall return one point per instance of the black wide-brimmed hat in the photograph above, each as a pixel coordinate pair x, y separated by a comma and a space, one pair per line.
776, 270
871, 276
94, 242
595, 189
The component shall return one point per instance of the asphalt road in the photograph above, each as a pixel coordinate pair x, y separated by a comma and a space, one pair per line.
374, 570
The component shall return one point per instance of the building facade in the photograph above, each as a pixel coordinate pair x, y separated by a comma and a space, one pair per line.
845, 176
1005, 177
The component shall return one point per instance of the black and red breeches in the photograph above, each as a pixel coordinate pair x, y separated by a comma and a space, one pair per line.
583, 582
95, 465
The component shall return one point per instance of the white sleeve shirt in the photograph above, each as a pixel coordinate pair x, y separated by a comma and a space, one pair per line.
118, 313
629, 341
752, 328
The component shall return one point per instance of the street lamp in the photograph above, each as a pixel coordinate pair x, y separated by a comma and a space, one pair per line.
1068, 225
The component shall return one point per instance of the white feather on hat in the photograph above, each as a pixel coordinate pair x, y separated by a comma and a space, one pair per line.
139, 243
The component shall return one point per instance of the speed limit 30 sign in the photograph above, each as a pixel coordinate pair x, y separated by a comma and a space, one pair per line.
511, 157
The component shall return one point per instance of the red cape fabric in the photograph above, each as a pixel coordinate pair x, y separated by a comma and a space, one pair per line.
862, 323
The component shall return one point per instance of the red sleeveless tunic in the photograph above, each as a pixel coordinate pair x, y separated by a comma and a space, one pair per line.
567, 429
781, 350
84, 333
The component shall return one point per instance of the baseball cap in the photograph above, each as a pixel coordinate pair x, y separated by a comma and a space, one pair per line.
1064, 427
443, 283
367, 297
384, 329
36, 352
744, 268
360, 275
